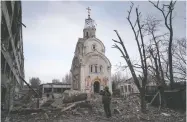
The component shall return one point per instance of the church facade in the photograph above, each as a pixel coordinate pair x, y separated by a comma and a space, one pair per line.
91, 69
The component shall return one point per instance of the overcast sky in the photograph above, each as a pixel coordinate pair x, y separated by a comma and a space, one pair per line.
53, 29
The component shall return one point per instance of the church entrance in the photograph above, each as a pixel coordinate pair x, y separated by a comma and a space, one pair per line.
96, 87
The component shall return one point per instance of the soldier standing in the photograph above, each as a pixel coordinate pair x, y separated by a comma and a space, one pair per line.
106, 100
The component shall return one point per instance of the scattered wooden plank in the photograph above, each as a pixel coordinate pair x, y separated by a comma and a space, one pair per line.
69, 107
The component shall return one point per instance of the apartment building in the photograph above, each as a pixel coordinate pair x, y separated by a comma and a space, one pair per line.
12, 57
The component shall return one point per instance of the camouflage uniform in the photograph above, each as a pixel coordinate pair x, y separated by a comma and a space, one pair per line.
106, 100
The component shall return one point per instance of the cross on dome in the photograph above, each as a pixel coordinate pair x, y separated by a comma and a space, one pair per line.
88, 11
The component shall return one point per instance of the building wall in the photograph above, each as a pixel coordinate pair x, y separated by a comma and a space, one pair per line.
127, 88
88, 46
93, 57
103, 75
83, 78
12, 59
54, 89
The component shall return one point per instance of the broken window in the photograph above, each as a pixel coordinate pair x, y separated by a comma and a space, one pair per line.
47, 90
59, 90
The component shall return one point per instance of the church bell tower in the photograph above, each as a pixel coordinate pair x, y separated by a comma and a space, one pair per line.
89, 28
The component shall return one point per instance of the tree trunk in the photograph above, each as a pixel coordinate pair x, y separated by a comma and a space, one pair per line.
170, 47
143, 104
170, 68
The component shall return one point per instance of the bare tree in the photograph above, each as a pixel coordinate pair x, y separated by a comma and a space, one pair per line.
151, 27
141, 48
116, 78
179, 59
168, 17
35, 82
55, 81
67, 78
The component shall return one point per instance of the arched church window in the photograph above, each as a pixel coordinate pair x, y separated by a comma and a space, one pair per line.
101, 68
86, 34
93, 47
96, 68
91, 67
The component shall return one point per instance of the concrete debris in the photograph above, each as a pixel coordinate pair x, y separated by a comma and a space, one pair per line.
57, 95
124, 110
70, 96
117, 111
33, 113
46, 116
143, 118
26, 111
47, 103
85, 112
58, 103
7, 119
165, 114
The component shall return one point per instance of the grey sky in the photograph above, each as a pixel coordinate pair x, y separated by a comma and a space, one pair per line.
53, 29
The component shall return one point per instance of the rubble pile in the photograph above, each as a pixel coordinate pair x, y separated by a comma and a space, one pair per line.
128, 109
123, 110
69, 96
73, 96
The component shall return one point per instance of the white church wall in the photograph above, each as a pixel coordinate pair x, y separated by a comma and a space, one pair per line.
100, 76
89, 46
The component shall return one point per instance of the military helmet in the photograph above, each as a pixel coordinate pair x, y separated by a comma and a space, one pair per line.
106, 88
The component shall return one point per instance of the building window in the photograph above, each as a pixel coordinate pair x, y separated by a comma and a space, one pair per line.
129, 86
91, 68
101, 68
96, 68
86, 34
125, 88
93, 47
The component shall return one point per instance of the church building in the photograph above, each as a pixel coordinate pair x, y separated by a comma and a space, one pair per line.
91, 69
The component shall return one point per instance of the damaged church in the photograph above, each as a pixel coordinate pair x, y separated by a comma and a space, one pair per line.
91, 69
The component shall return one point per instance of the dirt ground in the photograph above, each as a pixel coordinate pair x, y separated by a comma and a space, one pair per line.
123, 110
